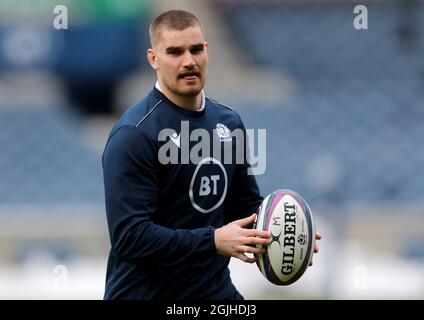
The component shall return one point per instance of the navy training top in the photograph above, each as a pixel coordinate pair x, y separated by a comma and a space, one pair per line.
166, 191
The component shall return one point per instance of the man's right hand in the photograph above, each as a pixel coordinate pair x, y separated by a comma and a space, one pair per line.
234, 239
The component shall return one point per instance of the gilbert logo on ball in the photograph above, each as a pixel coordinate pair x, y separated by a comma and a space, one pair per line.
287, 216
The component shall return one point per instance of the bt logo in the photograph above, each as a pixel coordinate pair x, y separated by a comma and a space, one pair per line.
205, 187
208, 186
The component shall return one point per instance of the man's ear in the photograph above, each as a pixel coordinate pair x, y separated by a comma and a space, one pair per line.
152, 57
207, 51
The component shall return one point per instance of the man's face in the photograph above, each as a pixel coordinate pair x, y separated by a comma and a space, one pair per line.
180, 59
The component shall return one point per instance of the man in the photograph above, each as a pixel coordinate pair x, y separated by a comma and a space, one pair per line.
174, 226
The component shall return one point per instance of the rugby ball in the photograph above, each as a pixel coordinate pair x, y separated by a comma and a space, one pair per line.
287, 216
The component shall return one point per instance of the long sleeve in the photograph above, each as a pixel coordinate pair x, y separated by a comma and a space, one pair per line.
130, 169
244, 197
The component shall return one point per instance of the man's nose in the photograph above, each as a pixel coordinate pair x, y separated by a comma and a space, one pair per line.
188, 60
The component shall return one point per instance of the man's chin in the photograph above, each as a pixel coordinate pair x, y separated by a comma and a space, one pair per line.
190, 91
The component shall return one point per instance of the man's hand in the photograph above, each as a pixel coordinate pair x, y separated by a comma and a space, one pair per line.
316, 249
235, 240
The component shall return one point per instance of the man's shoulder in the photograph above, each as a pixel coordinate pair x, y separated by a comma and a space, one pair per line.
138, 113
219, 104
225, 110
221, 107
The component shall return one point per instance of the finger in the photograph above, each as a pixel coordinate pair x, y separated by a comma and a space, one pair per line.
256, 233
245, 258
318, 236
250, 249
316, 249
246, 221
255, 240
311, 263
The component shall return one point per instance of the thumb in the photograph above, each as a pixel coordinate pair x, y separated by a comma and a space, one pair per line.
246, 221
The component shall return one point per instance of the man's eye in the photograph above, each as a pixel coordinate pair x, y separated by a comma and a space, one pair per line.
196, 50
173, 51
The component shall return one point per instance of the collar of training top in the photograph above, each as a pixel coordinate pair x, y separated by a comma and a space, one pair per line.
203, 97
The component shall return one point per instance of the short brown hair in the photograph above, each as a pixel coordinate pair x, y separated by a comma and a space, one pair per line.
173, 19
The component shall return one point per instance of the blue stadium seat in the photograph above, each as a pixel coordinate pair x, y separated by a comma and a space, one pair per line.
359, 102
44, 160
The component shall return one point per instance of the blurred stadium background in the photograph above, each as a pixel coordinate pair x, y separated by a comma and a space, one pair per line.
343, 109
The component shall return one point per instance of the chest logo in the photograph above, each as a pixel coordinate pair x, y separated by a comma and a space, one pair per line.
208, 186
223, 132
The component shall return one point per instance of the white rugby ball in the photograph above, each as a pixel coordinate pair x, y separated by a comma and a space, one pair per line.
287, 216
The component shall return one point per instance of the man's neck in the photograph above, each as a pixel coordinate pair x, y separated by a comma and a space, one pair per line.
189, 103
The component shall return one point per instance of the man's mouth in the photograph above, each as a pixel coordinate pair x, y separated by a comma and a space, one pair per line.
189, 76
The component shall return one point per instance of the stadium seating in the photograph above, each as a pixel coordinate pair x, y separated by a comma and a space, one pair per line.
354, 129
351, 133
44, 160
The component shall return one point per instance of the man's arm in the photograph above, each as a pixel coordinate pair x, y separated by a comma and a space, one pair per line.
244, 196
131, 189
243, 200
